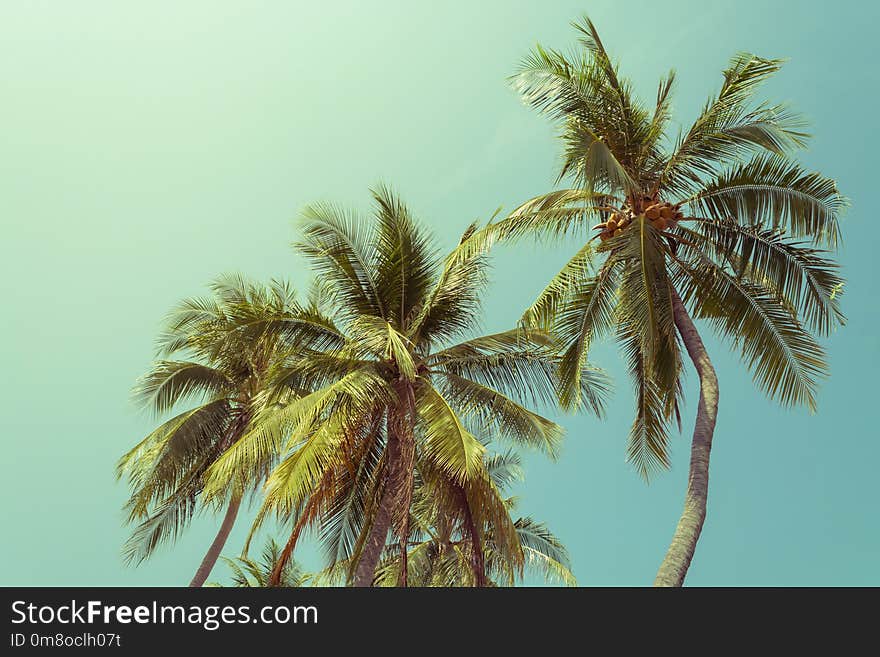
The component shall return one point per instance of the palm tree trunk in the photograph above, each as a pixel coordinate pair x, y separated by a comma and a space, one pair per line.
374, 545
478, 560
684, 541
397, 493
402, 502
278, 570
403, 576
217, 546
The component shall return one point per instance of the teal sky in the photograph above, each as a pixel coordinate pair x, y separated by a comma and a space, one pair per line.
147, 147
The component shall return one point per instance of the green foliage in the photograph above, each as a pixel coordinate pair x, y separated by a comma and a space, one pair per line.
374, 387
441, 547
403, 366
247, 572
747, 246
228, 351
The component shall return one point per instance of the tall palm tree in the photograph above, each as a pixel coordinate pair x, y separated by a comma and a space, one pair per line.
224, 368
719, 224
388, 394
454, 542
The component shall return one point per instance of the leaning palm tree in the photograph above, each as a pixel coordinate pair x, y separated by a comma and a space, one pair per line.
390, 391
719, 224
224, 368
454, 542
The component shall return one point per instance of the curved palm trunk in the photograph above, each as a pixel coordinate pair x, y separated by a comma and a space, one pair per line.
684, 541
217, 546
235, 432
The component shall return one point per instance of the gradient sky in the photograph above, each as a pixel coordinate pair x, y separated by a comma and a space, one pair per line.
147, 147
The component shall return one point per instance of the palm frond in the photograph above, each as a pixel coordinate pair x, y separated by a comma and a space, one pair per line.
727, 127
588, 314
572, 92
446, 442
453, 305
405, 259
802, 275
166, 521
648, 445
296, 477
544, 552
347, 512
373, 335
157, 465
170, 382
338, 244
645, 302
553, 215
520, 364
497, 413
786, 361
552, 300
504, 468
251, 457
775, 192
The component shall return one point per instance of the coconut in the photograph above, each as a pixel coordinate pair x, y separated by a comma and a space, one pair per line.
660, 224
653, 213
666, 212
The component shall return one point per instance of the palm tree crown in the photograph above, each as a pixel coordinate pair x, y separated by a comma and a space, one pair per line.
392, 390
222, 368
447, 548
248, 572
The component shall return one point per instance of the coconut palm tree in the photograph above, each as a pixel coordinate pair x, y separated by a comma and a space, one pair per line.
390, 389
719, 224
224, 368
454, 542
248, 572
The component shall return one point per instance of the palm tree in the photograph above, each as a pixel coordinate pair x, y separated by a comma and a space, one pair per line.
224, 368
248, 572
388, 394
455, 542
719, 224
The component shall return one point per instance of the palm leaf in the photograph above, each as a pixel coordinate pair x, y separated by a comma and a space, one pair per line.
802, 275
496, 412
446, 442
776, 192
786, 361
544, 552
170, 382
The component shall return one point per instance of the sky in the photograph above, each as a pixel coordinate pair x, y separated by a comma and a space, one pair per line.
146, 148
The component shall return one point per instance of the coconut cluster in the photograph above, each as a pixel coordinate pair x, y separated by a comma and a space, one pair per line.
660, 214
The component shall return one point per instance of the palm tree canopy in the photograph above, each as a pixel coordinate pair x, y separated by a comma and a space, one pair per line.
442, 543
247, 572
721, 214
390, 343
209, 358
